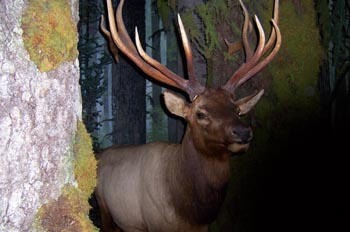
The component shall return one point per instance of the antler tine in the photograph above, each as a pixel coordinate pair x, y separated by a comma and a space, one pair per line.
112, 46
148, 65
247, 49
189, 57
122, 32
250, 68
267, 60
132, 54
157, 65
244, 68
272, 38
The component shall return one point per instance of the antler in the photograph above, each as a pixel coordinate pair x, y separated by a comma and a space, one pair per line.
251, 66
148, 65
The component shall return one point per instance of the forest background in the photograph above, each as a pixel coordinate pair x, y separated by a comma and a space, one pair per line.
300, 124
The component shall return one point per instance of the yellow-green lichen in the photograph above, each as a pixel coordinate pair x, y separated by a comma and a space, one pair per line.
49, 33
84, 161
68, 213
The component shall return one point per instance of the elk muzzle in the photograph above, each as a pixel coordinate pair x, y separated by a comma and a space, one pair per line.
242, 135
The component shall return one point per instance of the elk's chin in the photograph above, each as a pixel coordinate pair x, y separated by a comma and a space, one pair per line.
238, 147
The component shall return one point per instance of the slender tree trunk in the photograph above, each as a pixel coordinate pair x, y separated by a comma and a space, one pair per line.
39, 111
129, 86
176, 127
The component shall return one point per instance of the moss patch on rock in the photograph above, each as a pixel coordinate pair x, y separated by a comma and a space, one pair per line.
49, 33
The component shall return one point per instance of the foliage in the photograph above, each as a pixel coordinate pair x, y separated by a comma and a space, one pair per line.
93, 59
49, 37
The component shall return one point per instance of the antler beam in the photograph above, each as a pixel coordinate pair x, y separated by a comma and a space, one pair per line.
148, 65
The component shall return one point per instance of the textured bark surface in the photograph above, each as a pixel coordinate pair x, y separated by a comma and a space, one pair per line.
38, 114
129, 106
198, 59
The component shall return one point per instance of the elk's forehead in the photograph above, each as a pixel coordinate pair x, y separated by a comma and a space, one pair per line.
217, 100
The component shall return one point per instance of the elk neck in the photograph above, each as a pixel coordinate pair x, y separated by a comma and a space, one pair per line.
198, 181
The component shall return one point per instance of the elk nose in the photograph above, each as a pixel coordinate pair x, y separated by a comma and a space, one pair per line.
243, 133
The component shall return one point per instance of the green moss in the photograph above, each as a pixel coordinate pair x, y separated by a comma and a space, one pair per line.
67, 213
84, 161
70, 211
212, 14
216, 23
295, 69
49, 33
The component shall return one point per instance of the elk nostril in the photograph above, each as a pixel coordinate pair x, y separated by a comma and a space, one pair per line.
244, 134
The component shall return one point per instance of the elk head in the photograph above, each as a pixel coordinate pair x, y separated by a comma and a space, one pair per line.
213, 114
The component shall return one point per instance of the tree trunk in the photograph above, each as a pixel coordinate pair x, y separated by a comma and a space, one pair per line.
39, 110
198, 59
176, 126
129, 86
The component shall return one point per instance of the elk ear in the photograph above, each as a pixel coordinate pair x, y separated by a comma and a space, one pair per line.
175, 104
245, 104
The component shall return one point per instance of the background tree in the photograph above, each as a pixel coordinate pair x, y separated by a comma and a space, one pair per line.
129, 109
47, 168
113, 90
334, 21
93, 59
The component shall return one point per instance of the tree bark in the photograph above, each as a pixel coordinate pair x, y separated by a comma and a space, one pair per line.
38, 118
198, 59
129, 106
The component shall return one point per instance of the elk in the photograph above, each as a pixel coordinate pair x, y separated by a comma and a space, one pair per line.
162, 186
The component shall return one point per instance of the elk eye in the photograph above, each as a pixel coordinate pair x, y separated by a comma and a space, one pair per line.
200, 116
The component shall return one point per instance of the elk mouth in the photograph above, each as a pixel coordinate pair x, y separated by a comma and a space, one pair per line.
238, 147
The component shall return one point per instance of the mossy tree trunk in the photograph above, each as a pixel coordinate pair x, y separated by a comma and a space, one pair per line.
186, 9
40, 106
